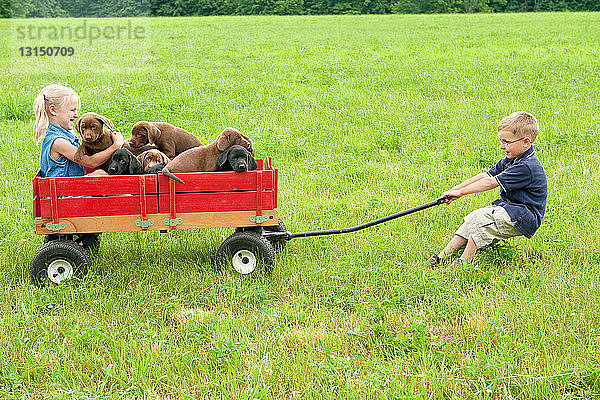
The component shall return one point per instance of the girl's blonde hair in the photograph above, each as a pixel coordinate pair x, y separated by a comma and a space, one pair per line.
56, 95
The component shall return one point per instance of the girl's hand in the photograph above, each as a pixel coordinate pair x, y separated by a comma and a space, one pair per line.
452, 195
117, 138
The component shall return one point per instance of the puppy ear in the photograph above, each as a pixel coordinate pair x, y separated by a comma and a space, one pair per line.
252, 164
153, 132
107, 122
164, 158
78, 125
142, 160
135, 168
222, 159
224, 140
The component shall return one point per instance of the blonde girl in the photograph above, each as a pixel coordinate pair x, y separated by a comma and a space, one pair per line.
55, 111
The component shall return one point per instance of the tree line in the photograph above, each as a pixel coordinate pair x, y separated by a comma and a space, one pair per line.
144, 8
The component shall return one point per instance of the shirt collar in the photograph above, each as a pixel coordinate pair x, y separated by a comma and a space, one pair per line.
528, 153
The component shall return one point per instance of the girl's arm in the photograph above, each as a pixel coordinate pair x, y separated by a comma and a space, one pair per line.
62, 147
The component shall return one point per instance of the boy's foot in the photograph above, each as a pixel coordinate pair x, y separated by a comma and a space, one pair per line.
457, 263
435, 261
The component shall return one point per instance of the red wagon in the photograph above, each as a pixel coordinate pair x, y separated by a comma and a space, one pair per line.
73, 212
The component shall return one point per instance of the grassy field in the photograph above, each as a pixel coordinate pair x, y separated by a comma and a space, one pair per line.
364, 116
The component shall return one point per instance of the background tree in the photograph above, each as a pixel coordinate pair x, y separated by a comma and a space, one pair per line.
131, 8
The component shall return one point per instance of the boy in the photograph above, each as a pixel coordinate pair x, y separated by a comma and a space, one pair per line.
523, 193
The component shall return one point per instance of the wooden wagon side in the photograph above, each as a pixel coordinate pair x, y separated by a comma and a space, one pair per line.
154, 202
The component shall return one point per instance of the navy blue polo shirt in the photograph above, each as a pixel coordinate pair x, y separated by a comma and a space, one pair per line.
523, 190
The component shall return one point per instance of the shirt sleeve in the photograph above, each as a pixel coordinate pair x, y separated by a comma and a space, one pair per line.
514, 177
496, 169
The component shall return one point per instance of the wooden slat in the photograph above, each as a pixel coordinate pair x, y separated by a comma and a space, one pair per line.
213, 202
124, 223
96, 185
97, 206
215, 181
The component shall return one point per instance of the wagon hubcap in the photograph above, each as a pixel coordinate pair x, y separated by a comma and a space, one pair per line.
244, 262
60, 270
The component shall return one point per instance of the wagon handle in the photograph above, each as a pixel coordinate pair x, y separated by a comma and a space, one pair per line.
290, 235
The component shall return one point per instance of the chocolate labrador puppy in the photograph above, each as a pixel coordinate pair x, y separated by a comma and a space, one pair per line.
95, 135
136, 151
150, 158
236, 158
204, 158
168, 138
123, 162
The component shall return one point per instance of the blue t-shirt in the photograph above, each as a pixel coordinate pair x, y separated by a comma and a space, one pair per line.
63, 167
523, 190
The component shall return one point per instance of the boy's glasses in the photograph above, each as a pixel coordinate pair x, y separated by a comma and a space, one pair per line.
506, 142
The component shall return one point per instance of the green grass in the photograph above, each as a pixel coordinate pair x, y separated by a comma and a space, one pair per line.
364, 116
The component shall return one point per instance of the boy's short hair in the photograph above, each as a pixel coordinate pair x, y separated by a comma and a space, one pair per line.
521, 124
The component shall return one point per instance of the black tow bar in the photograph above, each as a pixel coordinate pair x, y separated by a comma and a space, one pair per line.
289, 235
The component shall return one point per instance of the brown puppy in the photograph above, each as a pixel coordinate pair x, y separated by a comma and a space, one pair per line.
169, 139
152, 157
136, 151
95, 135
204, 158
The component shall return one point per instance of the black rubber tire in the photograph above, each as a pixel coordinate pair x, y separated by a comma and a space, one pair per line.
60, 254
278, 244
255, 253
89, 241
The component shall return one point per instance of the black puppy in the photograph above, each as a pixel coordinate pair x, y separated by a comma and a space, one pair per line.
123, 162
236, 158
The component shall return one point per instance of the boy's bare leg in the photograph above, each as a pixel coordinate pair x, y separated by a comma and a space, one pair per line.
455, 244
470, 250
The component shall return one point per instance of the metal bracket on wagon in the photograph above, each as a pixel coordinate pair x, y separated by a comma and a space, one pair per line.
259, 219
173, 221
56, 227
144, 223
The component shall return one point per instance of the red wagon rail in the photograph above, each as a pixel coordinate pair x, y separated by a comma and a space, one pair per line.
154, 202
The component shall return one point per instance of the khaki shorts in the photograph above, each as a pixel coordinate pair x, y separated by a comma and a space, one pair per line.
488, 225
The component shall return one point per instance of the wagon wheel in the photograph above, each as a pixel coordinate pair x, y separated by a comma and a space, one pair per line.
89, 241
246, 252
278, 244
58, 261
